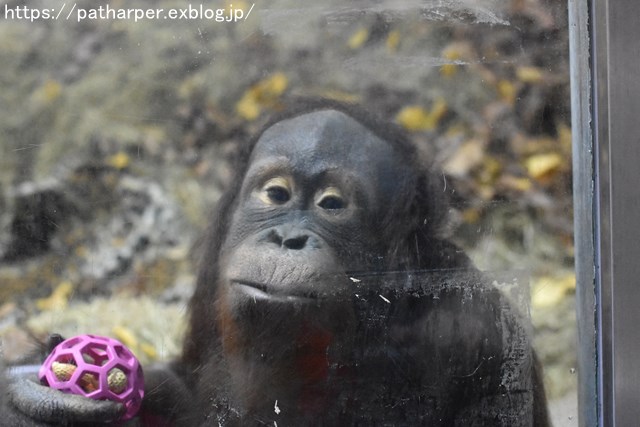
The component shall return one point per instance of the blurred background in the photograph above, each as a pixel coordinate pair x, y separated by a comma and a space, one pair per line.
117, 137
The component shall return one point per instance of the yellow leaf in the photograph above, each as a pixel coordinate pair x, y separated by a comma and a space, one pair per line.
448, 70
549, 291
58, 299
491, 168
358, 38
541, 166
126, 336
47, 93
466, 158
507, 91
471, 216
415, 118
439, 109
516, 183
262, 94
149, 350
274, 85
339, 95
452, 53
120, 160
486, 192
529, 74
248, 108
564, 137
393, 40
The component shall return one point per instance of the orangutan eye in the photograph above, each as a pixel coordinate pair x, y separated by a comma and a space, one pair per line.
276, 191
331, 199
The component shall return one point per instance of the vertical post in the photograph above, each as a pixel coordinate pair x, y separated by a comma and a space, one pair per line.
583, 190
611, 206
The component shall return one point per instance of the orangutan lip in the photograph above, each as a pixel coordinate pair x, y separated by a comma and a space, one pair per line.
260, 290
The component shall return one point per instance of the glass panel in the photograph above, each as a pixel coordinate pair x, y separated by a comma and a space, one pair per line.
614, 109
124, 125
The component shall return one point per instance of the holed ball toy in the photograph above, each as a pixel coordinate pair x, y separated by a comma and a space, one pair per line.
97, 367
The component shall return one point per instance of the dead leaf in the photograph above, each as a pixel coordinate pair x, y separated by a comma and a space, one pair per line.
490, 171
564, 138
507, 91
516, 183
47, 93
120, 160
454, 53
465, 159
549, 291
416, 118
149, 350
126, 336
358, 38
541, 166
58, 299
393, 40
529, 74
263, 94
471, 215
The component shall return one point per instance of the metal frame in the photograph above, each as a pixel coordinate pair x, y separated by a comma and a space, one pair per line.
583, 190
605, 61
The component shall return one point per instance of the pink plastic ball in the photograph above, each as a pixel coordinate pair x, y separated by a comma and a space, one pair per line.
97, 367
